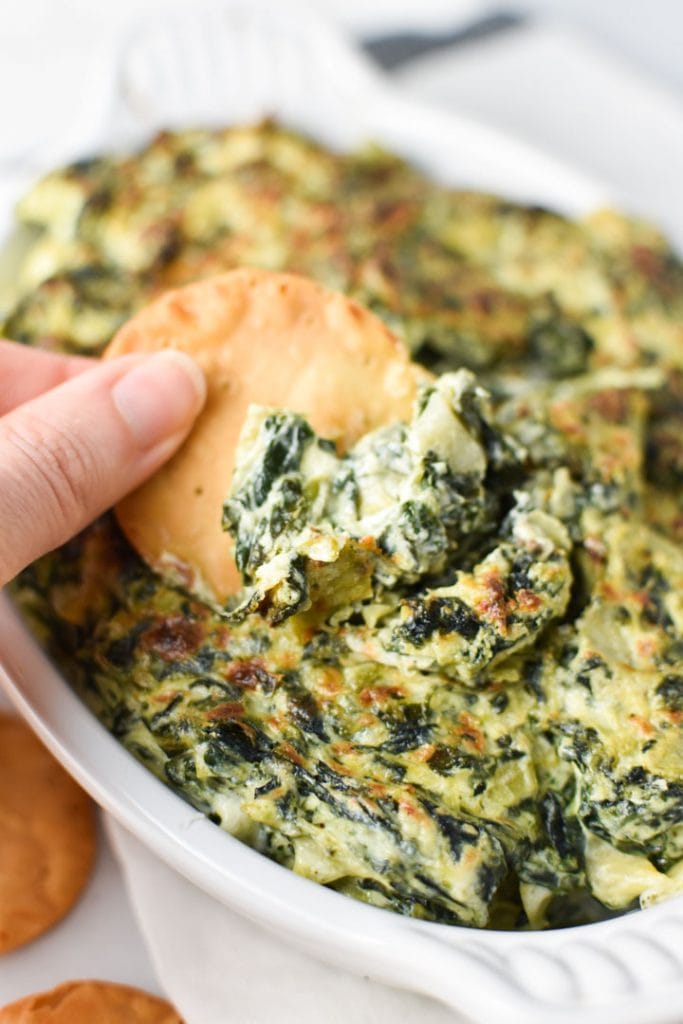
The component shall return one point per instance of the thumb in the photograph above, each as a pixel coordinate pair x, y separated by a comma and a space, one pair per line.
70, 454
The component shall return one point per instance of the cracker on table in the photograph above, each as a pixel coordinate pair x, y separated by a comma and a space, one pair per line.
90, 1002
47, 836
272, 339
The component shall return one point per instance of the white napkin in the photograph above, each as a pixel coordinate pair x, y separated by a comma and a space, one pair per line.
218, 968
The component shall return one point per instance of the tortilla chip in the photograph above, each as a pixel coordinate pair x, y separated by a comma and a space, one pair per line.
272, 339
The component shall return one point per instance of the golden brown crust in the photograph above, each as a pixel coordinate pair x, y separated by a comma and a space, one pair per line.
273, 339
47, 837
90, 1002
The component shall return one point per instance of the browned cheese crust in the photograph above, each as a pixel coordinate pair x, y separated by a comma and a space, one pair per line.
273, 339
47, 837
90, 1002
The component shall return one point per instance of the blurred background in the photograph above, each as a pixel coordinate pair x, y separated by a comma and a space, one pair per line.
597, 84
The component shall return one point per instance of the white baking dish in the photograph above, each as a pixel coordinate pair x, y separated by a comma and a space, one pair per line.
229, 62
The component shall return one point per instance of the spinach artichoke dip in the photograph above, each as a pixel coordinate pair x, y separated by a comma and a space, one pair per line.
452, 684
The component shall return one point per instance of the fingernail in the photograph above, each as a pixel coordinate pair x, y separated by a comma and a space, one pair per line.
160, 396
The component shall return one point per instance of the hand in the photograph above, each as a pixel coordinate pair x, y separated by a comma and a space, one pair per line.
77, 434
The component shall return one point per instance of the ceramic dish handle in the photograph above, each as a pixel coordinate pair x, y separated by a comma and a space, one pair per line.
624, 971
215, 62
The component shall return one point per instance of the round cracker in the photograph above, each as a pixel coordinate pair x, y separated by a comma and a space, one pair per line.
90, 1002
47, 837
273, 339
